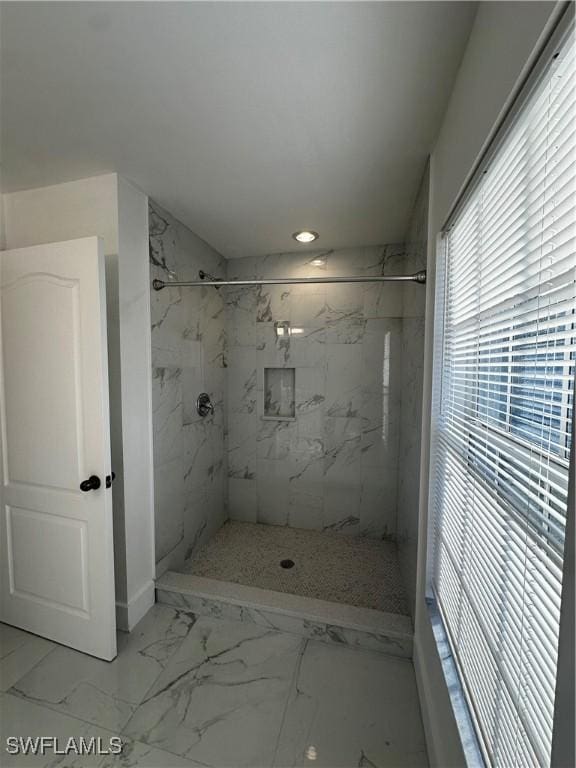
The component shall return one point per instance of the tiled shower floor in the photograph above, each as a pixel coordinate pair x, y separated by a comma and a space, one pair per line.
327, 566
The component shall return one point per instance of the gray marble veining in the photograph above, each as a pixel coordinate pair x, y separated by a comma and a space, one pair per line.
220, 693
188, 357
349, 461
379, 639
19, 653
107, 693
336, 467
221, 699
351, 709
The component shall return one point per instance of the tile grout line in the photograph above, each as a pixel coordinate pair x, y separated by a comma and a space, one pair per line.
119, 732
247, 609
122, 731
14, 692
59, 712
33, 667
177, 754
291, 688
177, 611
52, 706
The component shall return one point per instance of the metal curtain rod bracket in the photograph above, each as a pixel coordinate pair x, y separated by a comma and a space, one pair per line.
207, 277
417, 277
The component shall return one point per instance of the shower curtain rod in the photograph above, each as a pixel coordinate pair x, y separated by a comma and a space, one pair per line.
417, 277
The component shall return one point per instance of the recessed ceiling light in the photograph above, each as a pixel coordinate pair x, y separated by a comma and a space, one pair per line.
318, 262
305, 236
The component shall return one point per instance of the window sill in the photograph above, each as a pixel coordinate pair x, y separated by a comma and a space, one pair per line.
468, 738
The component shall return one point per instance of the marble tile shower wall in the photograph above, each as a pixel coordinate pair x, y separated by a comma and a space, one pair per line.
335, 466
412, 378
188, 357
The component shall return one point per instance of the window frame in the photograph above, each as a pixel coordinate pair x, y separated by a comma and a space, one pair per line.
463, 707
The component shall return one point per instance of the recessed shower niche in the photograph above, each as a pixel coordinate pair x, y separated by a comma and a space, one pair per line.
279, 389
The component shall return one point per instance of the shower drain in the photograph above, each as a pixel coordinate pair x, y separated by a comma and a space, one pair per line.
287, 563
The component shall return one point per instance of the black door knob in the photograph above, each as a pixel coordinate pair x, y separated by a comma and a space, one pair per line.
110, 479
92, 484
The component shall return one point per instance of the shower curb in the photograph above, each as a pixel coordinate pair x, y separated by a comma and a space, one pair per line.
362, 628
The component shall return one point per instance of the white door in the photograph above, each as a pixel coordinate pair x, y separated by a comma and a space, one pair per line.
57, 568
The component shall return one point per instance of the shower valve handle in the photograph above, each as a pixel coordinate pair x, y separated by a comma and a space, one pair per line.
204, 405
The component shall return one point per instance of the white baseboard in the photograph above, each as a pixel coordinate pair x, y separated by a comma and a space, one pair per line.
129, 614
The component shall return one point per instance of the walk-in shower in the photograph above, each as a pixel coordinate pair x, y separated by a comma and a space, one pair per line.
286, 395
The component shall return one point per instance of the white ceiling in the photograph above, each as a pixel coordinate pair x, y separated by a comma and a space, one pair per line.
247, 120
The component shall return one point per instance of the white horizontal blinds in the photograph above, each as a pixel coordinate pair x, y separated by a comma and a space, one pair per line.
502, 427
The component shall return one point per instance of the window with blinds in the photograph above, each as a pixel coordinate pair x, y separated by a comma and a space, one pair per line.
503, 400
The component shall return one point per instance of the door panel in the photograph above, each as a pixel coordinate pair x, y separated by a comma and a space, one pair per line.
37, 572
36, 413
56, 540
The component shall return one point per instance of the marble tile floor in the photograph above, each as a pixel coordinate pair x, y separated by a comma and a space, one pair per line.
356, 571
187, 691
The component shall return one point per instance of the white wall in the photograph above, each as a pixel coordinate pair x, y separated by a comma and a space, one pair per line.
64, 212
413, 328
2, 225
111, 208
503, 44
136, 387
